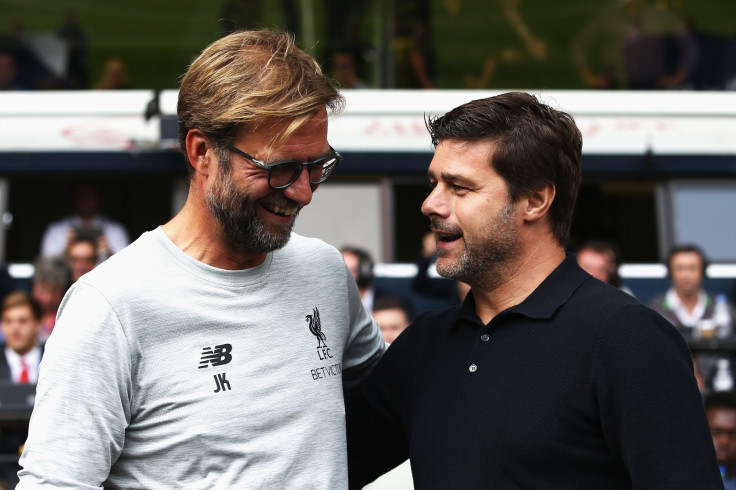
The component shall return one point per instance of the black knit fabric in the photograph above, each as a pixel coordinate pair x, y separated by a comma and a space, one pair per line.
579, 386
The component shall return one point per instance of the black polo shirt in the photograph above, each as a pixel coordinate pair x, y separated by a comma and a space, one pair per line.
579, 386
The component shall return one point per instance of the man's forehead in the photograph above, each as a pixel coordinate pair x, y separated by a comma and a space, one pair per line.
686, 257
460, 160
722, 416
272, 140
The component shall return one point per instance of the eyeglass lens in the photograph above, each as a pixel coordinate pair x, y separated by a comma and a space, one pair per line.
287, 173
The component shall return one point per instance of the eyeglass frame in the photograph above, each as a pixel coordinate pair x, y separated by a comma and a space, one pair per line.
271, 166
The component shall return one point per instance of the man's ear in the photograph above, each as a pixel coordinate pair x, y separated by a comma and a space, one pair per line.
538, 203
197, 145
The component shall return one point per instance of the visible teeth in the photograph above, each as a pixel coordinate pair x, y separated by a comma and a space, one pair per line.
287, 211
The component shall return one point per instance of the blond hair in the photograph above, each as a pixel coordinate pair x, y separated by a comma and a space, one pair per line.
250, 78
22, 298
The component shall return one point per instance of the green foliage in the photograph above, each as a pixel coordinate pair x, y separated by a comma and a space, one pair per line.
476, 43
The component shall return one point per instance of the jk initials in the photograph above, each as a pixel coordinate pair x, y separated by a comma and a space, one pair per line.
221, 382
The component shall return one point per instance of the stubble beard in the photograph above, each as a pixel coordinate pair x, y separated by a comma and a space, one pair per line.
238, 216
486, 261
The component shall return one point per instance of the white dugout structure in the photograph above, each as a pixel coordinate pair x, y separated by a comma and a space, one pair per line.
687, 140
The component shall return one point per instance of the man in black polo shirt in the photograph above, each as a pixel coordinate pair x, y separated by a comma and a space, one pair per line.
544, 377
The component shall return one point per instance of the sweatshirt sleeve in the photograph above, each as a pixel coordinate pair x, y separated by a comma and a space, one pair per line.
651, 410
365, 344
83, 397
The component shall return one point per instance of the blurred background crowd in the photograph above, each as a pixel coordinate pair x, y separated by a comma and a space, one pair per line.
571, 44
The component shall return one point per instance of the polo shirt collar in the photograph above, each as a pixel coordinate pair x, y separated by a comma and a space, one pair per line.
551, 294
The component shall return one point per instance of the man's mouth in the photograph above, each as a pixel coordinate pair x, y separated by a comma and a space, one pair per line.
281, 209
446, 237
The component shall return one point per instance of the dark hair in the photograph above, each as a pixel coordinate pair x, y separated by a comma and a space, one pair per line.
721, 399
678, 249
602, 247
390, 303
534, 145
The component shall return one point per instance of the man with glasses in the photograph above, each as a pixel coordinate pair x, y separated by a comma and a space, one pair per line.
213, 351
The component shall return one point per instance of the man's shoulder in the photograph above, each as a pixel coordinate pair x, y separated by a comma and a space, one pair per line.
601, 304
595, 293
301, 242
134, 261
308, 252
434, 322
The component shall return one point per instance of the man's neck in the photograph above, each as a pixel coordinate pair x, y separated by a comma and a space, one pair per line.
523, 276
198, 234
25, 350
688, 300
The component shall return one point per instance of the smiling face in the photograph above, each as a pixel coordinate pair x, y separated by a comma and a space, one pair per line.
474, 222
253, 216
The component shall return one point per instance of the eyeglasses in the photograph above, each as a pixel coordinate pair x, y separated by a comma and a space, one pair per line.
284, 173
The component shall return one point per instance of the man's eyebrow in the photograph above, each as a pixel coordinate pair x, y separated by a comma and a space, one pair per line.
325, 154
453, 179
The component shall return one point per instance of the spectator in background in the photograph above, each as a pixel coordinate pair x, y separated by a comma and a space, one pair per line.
392, 317
721, 410
345, 69
77, 48
690, 308
21, 325
686, 303
627, 46
82, 256
87, 221
114, 76
9, 79
360, 264
20, 322
601, 259
50, 281
412, 47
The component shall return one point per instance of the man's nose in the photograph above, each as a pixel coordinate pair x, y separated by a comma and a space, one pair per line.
434, 204
301, 190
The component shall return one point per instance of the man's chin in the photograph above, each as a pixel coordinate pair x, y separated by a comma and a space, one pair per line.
447, 267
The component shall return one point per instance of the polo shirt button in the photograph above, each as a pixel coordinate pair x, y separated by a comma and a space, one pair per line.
485, 337
473, 368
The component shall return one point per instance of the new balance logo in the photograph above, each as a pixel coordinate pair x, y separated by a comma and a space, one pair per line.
216, 357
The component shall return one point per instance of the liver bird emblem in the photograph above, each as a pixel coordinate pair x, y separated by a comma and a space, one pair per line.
315, 326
